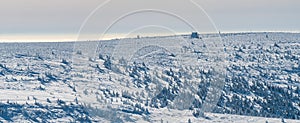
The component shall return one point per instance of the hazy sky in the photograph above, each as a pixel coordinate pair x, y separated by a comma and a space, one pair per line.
62, 19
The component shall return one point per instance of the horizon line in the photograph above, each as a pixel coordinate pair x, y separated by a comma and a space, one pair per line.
116, 36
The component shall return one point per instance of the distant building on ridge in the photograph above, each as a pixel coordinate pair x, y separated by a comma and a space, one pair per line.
195, 35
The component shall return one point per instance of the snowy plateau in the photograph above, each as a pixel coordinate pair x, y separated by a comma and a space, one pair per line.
231, 77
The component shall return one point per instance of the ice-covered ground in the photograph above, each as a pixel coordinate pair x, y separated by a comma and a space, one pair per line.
238, 77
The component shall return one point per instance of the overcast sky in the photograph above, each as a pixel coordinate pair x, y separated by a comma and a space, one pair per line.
62, 19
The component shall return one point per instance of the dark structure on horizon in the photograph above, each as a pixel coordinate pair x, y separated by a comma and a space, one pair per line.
195, 35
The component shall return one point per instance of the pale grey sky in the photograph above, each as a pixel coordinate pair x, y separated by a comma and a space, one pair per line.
61, 20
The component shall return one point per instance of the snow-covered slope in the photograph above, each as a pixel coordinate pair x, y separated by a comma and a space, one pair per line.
175, 79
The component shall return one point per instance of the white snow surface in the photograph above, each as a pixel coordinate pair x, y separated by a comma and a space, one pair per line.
103, 88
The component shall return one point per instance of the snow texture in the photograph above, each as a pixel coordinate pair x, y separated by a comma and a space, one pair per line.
232, 77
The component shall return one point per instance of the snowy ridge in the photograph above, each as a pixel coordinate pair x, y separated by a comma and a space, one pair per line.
50, 82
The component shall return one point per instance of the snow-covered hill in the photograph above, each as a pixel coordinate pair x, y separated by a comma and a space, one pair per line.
232, 77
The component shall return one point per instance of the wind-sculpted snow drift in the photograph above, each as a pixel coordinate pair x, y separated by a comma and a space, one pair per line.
48, 82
